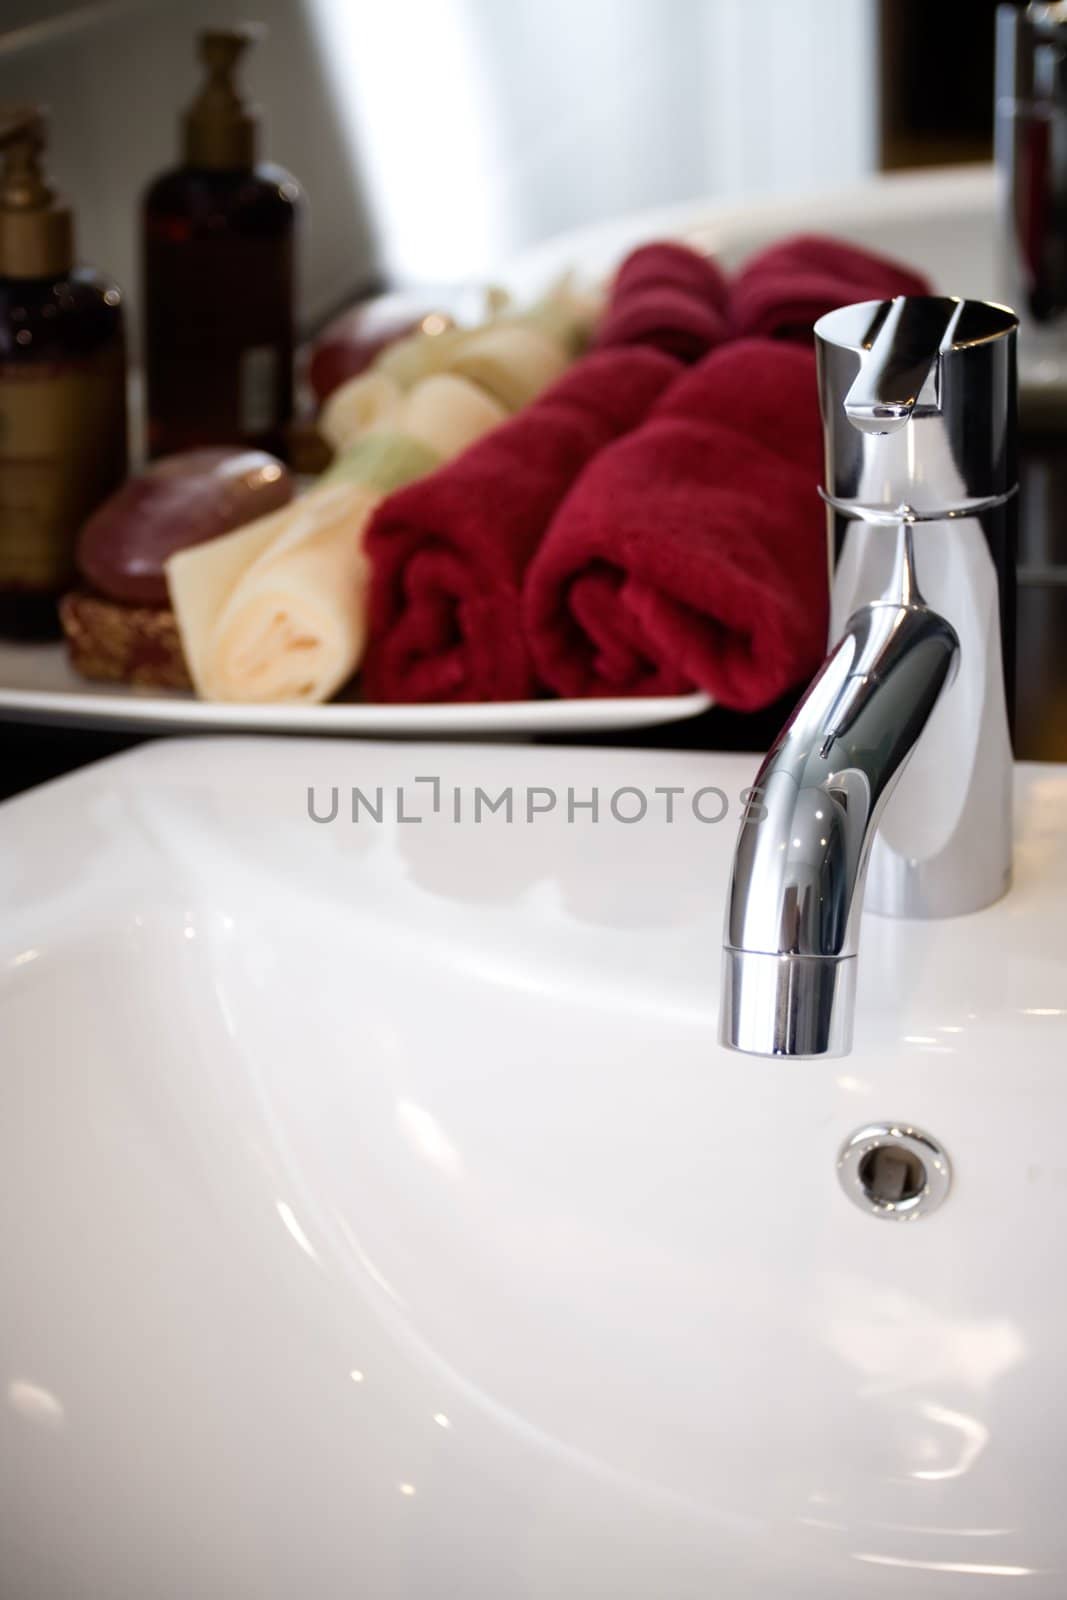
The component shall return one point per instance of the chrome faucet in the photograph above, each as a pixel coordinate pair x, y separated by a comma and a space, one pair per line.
1031, 152
890, 786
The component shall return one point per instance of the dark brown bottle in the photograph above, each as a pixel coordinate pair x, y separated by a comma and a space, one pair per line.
62, 388
218, 277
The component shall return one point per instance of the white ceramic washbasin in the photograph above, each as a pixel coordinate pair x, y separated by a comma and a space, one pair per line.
379, 1215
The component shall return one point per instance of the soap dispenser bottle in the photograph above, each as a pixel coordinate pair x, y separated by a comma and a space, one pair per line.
218, 248
62, 386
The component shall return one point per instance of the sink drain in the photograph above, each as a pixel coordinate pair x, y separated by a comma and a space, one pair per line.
892, 1170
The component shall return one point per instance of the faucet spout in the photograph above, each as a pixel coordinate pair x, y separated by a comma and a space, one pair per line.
795, 900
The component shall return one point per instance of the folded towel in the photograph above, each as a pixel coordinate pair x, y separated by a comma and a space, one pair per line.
692, 554
668, 297
448, 413
495, 369
364, 404
386, 461
755, 388
449, 553
512, 363
277, 610
516, 367
444, 413
408, 360
782, 292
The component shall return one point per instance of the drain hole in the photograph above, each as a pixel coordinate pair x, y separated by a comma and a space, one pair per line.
889, 1175
894, 1171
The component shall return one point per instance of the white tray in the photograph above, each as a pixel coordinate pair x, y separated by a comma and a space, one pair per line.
38, 684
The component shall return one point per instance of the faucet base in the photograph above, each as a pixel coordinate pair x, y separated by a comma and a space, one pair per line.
787, 1005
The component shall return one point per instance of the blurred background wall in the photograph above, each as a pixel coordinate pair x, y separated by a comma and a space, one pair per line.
526, 117
435, 138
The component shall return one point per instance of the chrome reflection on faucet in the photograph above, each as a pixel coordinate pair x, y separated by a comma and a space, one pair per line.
1031, 151
891, 784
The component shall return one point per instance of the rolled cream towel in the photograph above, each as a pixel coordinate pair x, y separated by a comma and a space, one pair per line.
446, 413
276, 611
371, 401
440, 417
386, 461
513, 362
421, 355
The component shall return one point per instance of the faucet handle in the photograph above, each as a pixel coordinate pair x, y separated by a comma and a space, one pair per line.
899, 361
917, 397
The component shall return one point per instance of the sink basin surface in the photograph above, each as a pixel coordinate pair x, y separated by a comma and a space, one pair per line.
380, 1216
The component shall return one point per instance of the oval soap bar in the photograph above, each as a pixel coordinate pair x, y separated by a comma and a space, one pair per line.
180, 500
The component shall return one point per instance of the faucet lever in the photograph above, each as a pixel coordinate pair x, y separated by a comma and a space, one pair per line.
899, 362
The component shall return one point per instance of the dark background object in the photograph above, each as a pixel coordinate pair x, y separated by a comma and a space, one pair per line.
936, 81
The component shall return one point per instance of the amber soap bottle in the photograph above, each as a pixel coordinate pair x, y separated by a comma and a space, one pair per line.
62, 386
218, 279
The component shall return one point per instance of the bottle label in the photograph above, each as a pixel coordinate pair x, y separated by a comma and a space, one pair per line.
258, 383
62, 451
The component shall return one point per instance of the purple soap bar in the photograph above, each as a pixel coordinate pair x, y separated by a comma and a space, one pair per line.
179, 501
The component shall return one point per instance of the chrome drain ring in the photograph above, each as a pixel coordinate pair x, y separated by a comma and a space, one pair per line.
894, 1171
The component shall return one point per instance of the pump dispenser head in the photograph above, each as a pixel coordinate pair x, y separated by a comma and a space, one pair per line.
219, 129
36, 228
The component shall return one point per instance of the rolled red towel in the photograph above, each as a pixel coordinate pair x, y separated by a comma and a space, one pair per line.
670, 298
449, 552
692, 554
782, 292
